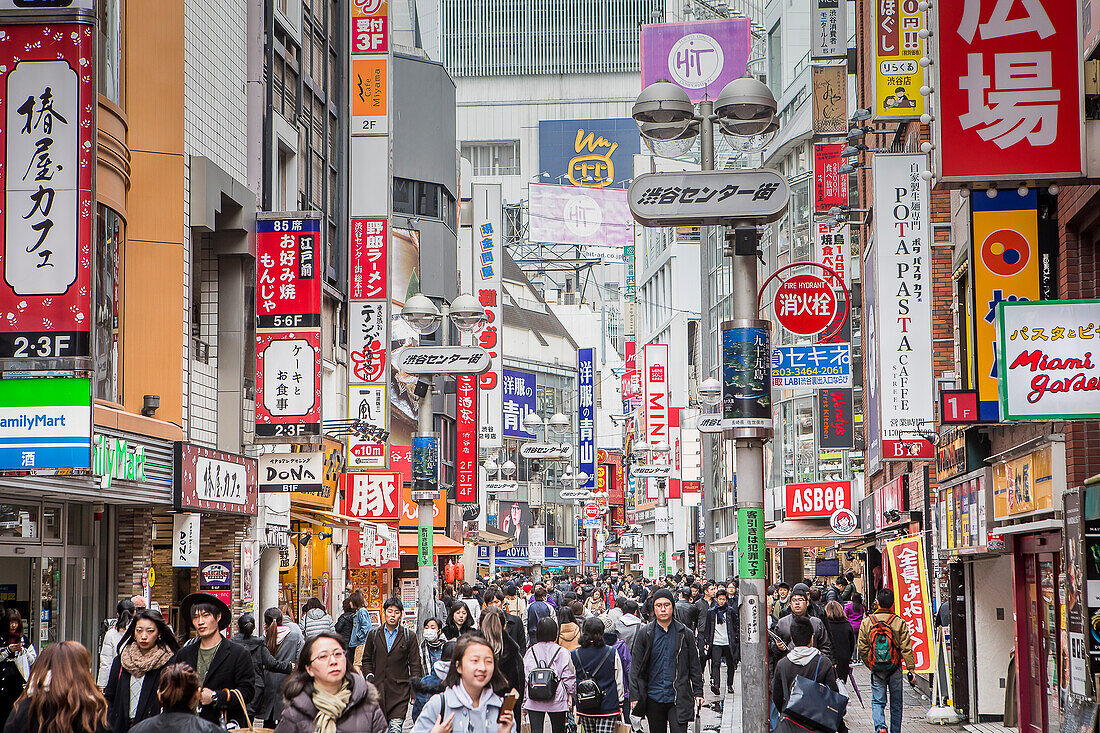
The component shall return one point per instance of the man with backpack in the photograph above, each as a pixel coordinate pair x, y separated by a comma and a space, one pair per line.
884, 646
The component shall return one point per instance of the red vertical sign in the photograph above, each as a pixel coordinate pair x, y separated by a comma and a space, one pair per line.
830, 185
466, 483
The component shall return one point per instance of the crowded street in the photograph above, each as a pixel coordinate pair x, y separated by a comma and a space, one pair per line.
549, 366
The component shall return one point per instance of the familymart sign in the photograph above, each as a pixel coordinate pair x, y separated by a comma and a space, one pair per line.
115, 458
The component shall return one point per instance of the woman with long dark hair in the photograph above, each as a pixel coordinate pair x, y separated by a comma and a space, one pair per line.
508, 654
459, 621
16, 657
596, 661
178, 694
131, 689
471, 702
263, 660
285, 644
61, 696
323, 694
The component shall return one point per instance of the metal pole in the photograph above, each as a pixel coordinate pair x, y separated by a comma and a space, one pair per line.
425, 508
706, 324
750, 503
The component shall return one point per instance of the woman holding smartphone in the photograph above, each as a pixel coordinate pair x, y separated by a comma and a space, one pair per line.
471, 702
16, 657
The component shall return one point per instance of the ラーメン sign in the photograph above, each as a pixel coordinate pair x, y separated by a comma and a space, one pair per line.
1050, 360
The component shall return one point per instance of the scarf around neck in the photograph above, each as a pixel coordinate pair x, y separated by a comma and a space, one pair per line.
138, 664
330, 708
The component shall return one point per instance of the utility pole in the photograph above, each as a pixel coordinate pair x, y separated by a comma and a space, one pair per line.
706, 351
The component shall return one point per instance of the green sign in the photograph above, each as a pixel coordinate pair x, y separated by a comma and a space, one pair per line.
664, 564
115, 458
424, 547
750, 543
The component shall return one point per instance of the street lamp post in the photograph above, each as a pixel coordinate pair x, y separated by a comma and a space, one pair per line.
644, 450
745, 111
424, 317
574, 479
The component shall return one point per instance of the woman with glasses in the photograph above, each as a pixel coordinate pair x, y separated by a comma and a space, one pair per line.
324, 695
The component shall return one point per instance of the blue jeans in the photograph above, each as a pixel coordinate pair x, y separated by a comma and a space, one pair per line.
879, 687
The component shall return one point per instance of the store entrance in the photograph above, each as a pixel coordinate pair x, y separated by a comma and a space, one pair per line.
51, 587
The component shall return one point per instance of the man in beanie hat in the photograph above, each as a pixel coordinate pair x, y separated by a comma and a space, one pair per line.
666, 679
781, 606
224, 667
800, 608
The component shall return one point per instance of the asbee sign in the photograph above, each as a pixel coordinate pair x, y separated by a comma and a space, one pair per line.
695, 198
818, 500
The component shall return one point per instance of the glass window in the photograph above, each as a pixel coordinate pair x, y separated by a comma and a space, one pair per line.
51, 523
403, 196
110, 49
775, 58
19, 521
427, 200
79, 530
108, 379
499, 158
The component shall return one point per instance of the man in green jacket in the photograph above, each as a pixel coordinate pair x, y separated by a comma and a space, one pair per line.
885, 647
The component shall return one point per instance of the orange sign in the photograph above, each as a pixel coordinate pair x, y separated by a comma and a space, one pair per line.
409, 508
368, 87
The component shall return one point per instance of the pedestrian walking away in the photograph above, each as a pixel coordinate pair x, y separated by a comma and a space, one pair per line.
508, 654
885, 647
360, 627
134, 678
108, 649
471, 702
803, 660
666, 680
551, 679
283, 642
392, 655
263, 660
224, 667
324, 695
61, 694
346, 623
315, 618
721, 631
601, 681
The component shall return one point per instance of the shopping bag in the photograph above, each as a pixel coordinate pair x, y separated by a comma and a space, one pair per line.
250, 727
816, 703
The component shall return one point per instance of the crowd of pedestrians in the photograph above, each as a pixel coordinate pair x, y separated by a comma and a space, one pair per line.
594, 654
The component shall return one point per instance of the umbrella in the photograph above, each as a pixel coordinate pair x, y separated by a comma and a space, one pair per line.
855, 688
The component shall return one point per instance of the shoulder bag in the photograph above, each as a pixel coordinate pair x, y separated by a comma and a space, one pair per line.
813, 702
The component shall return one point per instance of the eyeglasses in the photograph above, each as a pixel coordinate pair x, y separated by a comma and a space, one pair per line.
324, 658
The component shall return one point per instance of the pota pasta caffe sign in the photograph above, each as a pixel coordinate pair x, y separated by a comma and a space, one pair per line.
1050, 357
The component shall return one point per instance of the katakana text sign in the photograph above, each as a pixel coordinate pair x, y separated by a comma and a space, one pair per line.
368, 262
488, 255
519, 402
288, 277
49, 107
1009, 90
708, 197
288, 383
831, 248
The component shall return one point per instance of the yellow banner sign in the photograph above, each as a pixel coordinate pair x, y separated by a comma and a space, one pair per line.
898, 50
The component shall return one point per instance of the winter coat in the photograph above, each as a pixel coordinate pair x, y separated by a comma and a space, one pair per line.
537, 610
344, 625
686, 613
623, 651
13, 674
855, 618
901, 637
177, 721
262, 661
231, 669
468, 719
843, 640
362, 715
687, 682
360, 628
269, 705
393, 670
782, 629
553, 655
428, 685
513, 627
315, 621
510, 663
107, 653
603, 665
816, 667
19, 722
117, 693
626, 628
733, 628
569, 636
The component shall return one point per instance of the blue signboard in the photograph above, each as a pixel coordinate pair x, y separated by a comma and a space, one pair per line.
586, 416
519, 402
593, 153
516, 556
814, 366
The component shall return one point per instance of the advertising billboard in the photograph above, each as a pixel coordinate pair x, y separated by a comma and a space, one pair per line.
588, 153
586, 216
488, 254
898, 75
48, 148
45, 424
700, 57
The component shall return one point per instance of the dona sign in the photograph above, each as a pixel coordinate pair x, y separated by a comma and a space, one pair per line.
817, 500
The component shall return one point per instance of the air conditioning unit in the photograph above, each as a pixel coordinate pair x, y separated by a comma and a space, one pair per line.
570, 298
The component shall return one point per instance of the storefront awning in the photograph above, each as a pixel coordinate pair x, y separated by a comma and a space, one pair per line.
328, 519
802, 533
490, 536
725, 543
441, 544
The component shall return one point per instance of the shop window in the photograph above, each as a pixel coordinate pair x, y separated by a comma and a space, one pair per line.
110, 49
19, 521
108, 286
79, 528
51, 523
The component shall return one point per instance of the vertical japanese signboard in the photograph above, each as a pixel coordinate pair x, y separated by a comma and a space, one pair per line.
830, 185
519, 402
746, 376
828, 29
586, 416
1009, 90
904, 328
488, 253
830, 102
49, 153
909, 580
655, 404
898, 50
466, 428
288, 327
1005, 262
835, 430
832, 248
368, 341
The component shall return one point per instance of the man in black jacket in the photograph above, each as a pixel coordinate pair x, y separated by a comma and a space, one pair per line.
685, 611
666, 681
513, 626
804, 660
224, 667
721, 637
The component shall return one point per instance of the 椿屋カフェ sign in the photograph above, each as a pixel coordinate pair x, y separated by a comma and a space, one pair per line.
1050, 359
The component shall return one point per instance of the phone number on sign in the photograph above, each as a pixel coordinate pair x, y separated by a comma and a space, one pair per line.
843, 380
808, 371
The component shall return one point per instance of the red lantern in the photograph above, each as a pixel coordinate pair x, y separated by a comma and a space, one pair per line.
449, 572
460, 572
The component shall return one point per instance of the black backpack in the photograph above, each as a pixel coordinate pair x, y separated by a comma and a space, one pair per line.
589, 695
542, 683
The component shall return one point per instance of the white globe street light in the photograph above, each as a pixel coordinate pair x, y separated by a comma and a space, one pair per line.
532, 423
421, 314
710, 391
559, 424
509, 468
467, 313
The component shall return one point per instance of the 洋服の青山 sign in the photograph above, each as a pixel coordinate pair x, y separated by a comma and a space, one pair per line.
1050, 360
817, 500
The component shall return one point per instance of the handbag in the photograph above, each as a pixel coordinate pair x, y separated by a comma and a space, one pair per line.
814, 703
244, 709
589, 695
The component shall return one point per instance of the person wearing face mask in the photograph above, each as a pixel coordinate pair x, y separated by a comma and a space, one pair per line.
431, 648
134, 677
